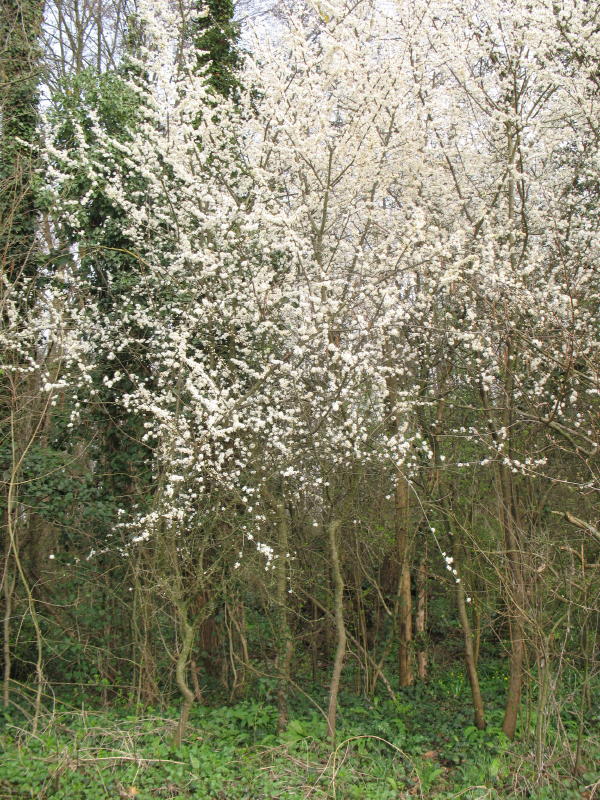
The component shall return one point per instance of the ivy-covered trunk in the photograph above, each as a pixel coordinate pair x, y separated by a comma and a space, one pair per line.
20, 26
20, 70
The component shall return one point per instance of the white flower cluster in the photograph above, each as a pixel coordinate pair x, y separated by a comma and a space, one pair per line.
376, 236
450, 567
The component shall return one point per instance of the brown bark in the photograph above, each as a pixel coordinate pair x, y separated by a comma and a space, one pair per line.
405, 674
340, 628
470, 659
238, 646
515, 684
516, 591
314, 640
284, 654
421, 617
471, 664
515, 587
9, 586
181, 678
515, 594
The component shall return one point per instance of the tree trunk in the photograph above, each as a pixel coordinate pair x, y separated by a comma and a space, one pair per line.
340, 628
515, 598
181, 677
516, 591
465, 623
20, 28
284, 653
479, 717
9, 586
515, 684
421, 617
405, 674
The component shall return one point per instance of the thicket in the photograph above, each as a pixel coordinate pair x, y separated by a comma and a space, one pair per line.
299, 398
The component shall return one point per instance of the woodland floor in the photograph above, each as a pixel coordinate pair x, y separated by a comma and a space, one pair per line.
423, 745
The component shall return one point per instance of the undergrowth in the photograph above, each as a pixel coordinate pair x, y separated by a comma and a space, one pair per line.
422, 745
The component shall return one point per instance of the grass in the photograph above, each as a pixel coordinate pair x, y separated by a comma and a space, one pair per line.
423, 745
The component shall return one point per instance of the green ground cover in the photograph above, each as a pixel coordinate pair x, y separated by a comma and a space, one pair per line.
422, 745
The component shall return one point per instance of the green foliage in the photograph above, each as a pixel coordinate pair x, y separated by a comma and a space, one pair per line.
114, 104
96, 112
61, 489
20, 27
214, 34
422, 745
